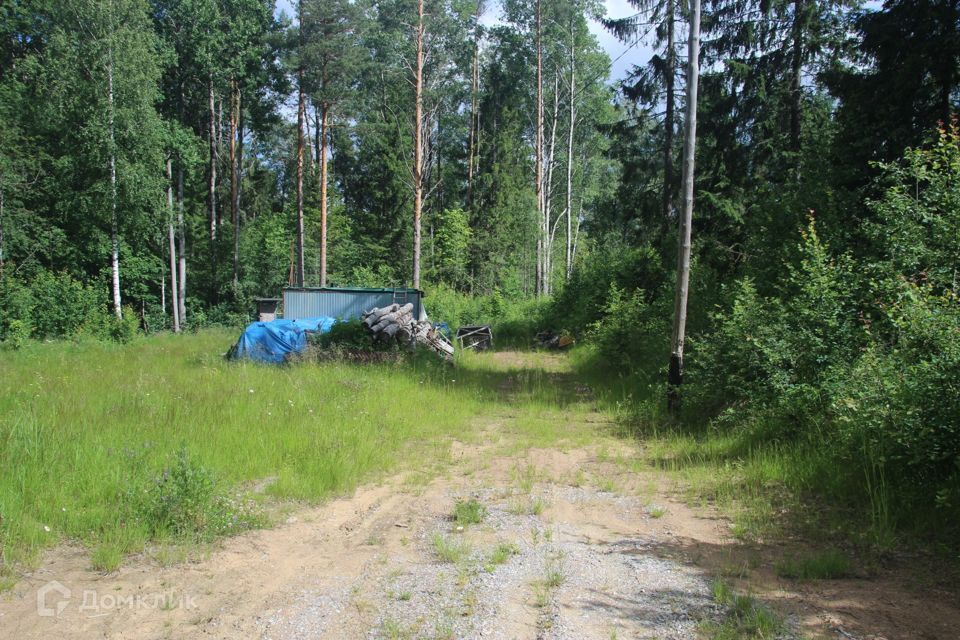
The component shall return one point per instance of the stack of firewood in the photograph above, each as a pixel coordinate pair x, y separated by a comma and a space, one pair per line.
396, 322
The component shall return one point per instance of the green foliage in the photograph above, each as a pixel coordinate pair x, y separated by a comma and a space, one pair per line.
744, 617
351, 334
18, 332
469, 511
918, 215
449, 248
605, 278
630, 330
185, 502
783, 354
828, 565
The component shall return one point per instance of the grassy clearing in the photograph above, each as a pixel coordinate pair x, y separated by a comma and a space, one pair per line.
85, 427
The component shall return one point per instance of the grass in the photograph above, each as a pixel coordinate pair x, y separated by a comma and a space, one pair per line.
466, 512
500, 554
744, 617
449, 549
826, 565
527, 506
86, 427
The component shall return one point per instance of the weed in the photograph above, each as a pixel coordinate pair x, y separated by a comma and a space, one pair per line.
555, 574
469, 512
525, 478
527, 507
394, 630
656, 512
828, 565
450, 550
404, 596
744, 617
501, 553
608, 485
106, 558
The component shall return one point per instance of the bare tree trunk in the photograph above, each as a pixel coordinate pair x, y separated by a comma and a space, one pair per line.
235, 179
322, 145
670, 72
1, 227
541, 236
301, 115
418, 146
576, 230
114, 223
474, 107
212, 187
573, 117
174, 307
182, 249
548, 190
675, 375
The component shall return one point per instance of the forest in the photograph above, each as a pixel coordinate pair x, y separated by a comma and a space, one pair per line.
165, 162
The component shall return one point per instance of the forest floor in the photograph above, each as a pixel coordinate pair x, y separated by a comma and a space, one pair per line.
557, 539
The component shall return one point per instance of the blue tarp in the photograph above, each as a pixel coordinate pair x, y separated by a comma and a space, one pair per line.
272, 341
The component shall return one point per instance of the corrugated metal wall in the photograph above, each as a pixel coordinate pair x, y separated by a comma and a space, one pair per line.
344, 304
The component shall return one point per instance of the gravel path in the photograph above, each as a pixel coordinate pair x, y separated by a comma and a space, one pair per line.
563, 575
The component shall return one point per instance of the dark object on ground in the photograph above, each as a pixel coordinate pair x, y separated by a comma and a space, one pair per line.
478, 337
395, 322
551, 340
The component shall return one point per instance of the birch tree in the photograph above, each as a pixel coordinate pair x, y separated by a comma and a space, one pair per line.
675, 374
104, 86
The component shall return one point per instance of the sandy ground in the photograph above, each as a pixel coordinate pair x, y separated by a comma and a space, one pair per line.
595, 552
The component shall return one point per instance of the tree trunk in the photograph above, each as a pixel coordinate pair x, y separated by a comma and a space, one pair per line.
181, 249
114, 223
675, 376
235, 179
796, 67
322, 144
474, 108
548, 189
1, 228
669, 117
301, 106
174, 307
212, 187
418, 147
573, 117
541, 236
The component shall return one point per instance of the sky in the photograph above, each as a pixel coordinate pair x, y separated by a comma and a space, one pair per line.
624, 56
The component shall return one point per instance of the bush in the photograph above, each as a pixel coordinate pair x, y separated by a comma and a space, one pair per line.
901, 402
63, 306
184, 502
585, 299
629, 334
785, 355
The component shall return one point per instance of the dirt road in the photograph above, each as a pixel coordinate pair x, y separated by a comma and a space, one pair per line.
569, 544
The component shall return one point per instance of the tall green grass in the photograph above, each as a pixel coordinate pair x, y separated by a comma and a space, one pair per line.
86, 427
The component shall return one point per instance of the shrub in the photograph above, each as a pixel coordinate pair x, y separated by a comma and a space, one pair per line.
62, 305
626, 335
184, 501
